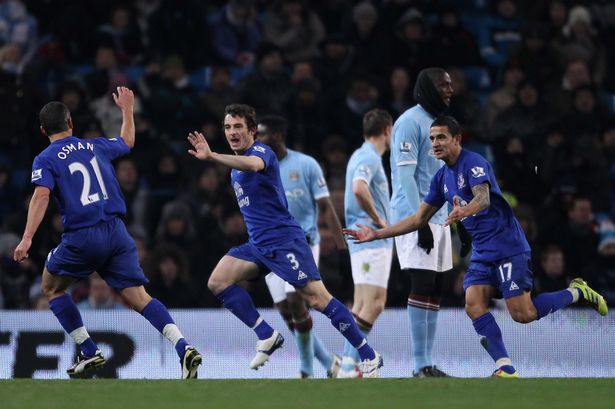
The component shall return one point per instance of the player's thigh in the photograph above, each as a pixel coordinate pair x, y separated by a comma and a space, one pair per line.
477, 299
372, 266
514, 275
54, 285
411, 256
231, 270
122, 268
292, 261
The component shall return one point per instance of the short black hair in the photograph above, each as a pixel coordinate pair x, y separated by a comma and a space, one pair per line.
242, 111
274, 124
446, 120
54, 117
375, 122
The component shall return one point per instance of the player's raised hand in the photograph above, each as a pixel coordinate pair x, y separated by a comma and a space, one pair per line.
124, 98
21, 251
456, 214
360, 236
201, 147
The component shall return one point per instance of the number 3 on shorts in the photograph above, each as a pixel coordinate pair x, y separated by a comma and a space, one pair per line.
293, 261
508, 275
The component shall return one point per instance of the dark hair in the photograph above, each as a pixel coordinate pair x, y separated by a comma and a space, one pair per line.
375, 122
54, 117
274, 124
242, 111
448, 121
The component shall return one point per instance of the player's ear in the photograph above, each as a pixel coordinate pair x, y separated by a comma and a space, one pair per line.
69, 122
43, 131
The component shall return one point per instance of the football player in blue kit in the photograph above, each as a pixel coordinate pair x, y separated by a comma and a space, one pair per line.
276, 242
307, 194
80, 175
500, 253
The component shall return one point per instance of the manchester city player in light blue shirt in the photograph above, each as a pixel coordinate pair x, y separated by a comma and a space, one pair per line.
307, 195
80, 176
428, 252
500, 253
366, 201
276, 241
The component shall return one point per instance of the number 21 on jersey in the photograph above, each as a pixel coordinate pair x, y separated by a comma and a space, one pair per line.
86, 196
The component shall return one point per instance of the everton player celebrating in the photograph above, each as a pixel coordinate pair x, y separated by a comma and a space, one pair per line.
276, 241
80, 175
500, 253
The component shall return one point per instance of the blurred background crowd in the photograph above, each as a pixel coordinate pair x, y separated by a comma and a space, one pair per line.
534, 89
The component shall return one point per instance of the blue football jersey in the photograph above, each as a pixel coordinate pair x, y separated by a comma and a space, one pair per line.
495, 231
366, 164
80, 175
304, 184
262, 201
410, 145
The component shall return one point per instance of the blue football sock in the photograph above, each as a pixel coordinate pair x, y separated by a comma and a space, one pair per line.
550, 302
417, 318
342, 320
432, 325
321, 352
158, 315
305, 345
486, 326
67, 313
238, 301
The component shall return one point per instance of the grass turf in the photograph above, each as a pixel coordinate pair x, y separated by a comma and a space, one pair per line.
299, 394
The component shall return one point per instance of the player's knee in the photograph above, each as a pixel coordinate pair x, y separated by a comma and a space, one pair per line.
474, 310
215, 285
523, 316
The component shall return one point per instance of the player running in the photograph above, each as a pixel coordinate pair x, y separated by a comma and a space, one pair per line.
500, 253
80, 175
276, 242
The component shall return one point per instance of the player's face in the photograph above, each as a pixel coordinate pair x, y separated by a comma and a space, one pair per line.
444, 145
445, 88
239, 137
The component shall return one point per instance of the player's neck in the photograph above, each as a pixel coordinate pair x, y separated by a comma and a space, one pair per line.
281, 152
450, 162
378, 143
60, 135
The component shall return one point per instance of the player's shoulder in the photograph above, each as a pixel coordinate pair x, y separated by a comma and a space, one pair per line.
470, 158
259, 147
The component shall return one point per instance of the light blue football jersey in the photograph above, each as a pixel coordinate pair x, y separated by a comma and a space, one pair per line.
262, 202
495, 231
366, 164
81, 177
304, 183
411, 146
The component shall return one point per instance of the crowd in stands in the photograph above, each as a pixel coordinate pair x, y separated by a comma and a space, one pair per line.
534, 89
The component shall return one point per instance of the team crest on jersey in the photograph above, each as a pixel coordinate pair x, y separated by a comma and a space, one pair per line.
461, 182
37, 174
259, 149
293, 176
477, 172
405, 147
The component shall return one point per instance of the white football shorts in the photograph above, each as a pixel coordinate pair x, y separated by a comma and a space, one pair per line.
440, 258
372, 266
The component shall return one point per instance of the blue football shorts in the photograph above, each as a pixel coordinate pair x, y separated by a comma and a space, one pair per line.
512, 276
292, 261
106, 248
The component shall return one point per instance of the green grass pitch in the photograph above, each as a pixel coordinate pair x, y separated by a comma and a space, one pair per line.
299, 394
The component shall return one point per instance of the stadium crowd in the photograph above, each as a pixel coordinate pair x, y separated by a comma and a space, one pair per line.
534, 85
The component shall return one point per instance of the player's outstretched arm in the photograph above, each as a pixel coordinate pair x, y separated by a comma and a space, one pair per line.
125, 100
36, 212
407, 225
202, 151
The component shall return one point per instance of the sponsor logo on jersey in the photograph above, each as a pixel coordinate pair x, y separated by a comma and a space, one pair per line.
293, 176
238, 189
461, 182
37, 174
294, 193
513, 286
405, 147
477, 172
259, 149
